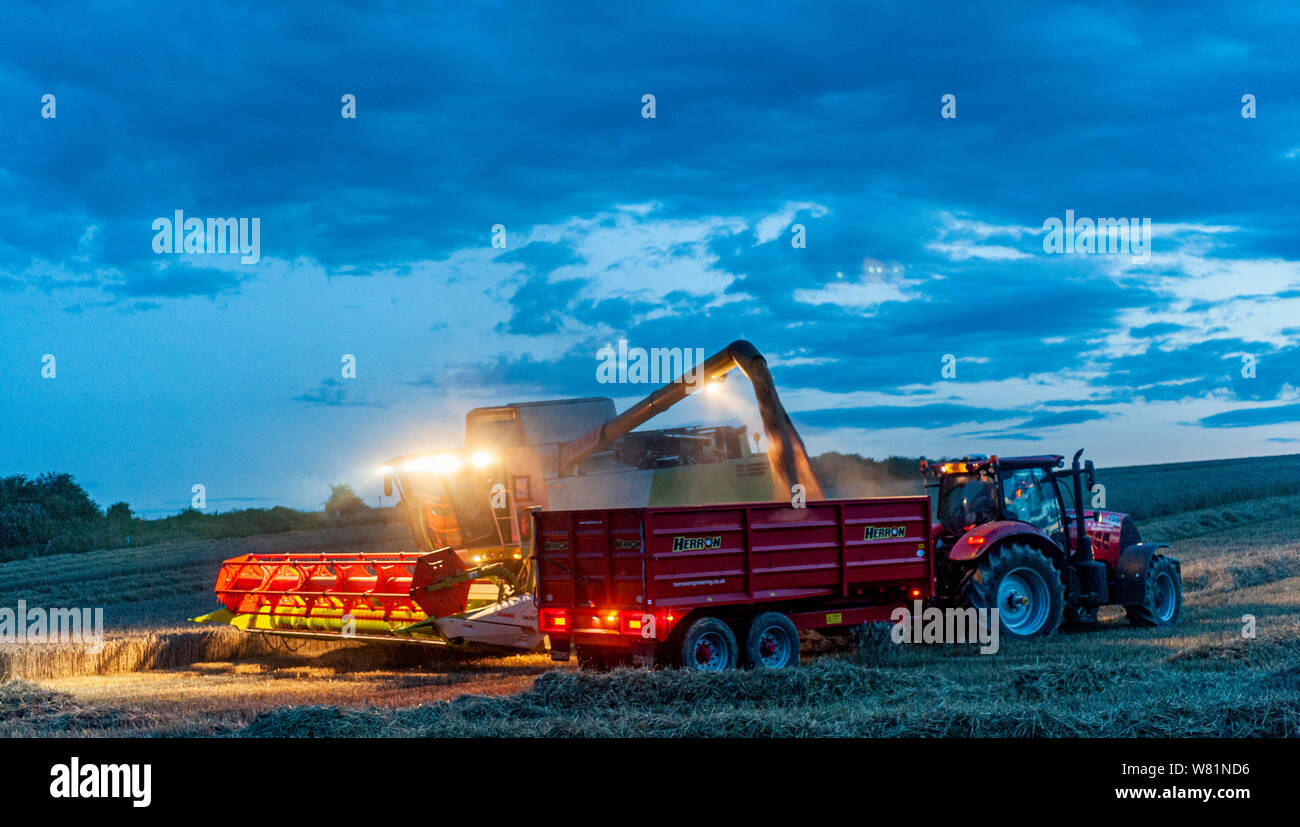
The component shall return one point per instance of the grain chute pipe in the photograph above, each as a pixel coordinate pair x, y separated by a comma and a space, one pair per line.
785, 451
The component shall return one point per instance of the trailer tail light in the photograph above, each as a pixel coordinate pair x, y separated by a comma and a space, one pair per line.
634, 623
555, 620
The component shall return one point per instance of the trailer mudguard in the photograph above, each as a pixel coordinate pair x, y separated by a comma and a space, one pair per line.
1131, 576
980, 539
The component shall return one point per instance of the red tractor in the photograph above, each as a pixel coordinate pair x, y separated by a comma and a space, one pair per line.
1009, 537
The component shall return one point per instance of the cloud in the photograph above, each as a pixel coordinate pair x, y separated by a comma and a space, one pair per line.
332, 393
886, 416
771, 226
1251, 417
1055, 419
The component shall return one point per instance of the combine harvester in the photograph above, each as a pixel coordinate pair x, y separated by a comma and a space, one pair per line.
470, 513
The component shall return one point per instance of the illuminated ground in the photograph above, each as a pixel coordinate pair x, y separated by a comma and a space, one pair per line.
1204, 678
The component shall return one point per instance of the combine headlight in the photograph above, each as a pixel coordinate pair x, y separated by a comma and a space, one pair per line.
443, 464
481, 459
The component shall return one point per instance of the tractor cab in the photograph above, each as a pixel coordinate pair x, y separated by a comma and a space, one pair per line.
977, 490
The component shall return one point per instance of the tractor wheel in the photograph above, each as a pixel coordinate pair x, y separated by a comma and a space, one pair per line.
772, 642
1163, 602
709, 646
1022, 584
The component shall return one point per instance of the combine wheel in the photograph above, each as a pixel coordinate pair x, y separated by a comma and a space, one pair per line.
772, 642
1022, 584
709, 645
1163, 602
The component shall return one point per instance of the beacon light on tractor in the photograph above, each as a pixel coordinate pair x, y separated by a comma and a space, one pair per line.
470, 577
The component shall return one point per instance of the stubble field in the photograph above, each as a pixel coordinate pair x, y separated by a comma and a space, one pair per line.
160, 676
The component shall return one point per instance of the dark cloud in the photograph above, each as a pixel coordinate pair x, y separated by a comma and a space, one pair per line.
1155, 330
887, 416
1056, 419
1249, 417
332, 393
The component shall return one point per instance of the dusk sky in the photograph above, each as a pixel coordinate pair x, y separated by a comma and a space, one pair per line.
924, 233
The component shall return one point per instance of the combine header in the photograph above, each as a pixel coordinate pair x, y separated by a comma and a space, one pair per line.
470, 513
375, 597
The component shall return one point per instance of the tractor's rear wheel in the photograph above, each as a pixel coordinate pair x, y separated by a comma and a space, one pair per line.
1162, 602
1022, 584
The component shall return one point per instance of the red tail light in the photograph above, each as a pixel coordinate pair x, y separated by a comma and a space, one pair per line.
977, 540
555, 620
633, 623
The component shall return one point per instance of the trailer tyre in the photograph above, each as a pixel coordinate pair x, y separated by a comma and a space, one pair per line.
1162, 603
772, 642
709, 645
1022, 584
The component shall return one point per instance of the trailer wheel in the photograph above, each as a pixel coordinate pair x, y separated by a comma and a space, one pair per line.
1022, 584
772, 642
709, 646
1163, 602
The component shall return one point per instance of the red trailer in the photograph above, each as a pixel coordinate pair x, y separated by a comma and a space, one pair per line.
712, 587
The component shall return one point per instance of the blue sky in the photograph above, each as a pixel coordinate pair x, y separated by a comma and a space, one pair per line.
924, 234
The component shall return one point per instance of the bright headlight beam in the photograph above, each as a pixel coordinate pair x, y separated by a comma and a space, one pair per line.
443, 464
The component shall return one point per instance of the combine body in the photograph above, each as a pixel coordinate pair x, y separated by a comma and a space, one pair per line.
469, 578
714, 586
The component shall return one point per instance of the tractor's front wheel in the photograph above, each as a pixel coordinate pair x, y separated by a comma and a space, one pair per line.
1162, 601
1022, 584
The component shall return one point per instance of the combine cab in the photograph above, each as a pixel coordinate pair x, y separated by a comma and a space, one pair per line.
470, 513
1009, 537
